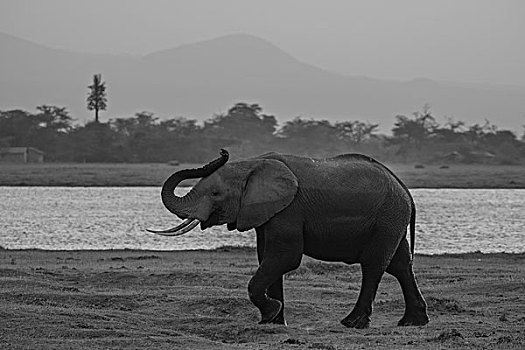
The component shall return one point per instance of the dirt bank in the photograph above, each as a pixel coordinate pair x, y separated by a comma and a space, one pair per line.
198, 300
431, 176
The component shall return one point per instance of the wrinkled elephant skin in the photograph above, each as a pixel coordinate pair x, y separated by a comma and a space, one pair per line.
349, 208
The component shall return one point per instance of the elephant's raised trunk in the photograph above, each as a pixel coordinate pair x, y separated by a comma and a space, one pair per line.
178, 205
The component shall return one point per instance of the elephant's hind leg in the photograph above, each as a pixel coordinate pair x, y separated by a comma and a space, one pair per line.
360, 315
415, 306
374, 260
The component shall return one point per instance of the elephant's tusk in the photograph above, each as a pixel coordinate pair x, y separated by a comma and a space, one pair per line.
182, 231
173, 229
185, 227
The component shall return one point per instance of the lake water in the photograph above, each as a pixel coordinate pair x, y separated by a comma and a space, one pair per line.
449, 220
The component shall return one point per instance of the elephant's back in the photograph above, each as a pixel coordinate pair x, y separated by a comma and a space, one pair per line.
340, 177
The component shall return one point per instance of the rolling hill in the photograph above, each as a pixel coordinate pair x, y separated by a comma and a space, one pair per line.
203, 78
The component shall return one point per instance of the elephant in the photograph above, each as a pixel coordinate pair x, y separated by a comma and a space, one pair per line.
349, 208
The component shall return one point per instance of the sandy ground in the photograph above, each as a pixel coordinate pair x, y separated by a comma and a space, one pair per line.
198, 300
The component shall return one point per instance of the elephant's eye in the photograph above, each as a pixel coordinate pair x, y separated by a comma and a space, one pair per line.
215, 193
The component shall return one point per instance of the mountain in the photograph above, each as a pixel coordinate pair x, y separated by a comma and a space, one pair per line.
200, 79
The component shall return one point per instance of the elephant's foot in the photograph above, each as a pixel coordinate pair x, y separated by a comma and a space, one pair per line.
414, 319
279, 319
270, 312
354, 320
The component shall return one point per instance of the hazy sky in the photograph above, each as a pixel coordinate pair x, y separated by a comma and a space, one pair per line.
455, 40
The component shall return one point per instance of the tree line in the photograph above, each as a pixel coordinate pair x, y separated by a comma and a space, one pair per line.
247, 131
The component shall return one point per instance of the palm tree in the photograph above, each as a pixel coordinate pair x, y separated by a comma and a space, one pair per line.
96, 99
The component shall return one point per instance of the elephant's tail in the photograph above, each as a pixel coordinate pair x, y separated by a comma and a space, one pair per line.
412, 229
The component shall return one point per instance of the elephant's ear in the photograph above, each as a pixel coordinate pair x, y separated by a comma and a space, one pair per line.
270, 188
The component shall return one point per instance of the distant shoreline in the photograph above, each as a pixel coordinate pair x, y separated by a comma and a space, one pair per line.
241, 249
191, 185
460, 176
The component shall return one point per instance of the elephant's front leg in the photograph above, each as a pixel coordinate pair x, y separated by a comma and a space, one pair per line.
269, 307
278, 254
275, 291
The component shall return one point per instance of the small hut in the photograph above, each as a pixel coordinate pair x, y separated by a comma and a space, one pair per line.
21, 155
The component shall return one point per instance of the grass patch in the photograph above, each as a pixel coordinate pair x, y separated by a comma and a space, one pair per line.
431, 176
